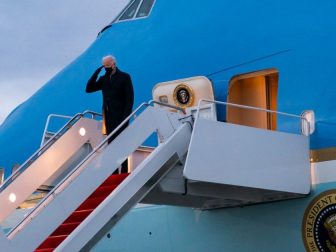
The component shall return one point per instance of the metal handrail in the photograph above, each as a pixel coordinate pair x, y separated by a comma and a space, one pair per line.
167, 105
251, 108
92, 113
68, 177
97, 148
47, 124
62, 184
43, 148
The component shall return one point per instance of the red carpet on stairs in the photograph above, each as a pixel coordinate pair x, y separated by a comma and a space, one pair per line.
83, 211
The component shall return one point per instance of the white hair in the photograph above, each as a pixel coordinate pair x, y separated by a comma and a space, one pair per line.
110, 57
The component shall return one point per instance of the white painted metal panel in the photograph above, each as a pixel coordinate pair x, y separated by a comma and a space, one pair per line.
201, 86
70, 194
323, 172
133, 189
249, 157
48, 164
5, 244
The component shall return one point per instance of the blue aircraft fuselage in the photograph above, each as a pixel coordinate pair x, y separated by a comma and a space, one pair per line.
218, 39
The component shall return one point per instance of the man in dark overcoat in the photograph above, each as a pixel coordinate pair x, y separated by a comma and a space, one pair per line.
118, 97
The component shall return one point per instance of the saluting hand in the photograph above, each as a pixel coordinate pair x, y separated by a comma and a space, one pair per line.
98, 70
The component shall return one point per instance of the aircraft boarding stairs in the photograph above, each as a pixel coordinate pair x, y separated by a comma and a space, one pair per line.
87, 200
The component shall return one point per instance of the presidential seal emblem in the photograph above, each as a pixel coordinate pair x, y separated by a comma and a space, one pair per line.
319, 223
183, 96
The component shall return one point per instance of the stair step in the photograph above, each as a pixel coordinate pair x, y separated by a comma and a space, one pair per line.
115, 179
52, 242
84, 210
45, 250
91, 203
103, 191
65, 229
78, 216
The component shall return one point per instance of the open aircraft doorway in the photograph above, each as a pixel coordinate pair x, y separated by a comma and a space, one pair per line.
256, 89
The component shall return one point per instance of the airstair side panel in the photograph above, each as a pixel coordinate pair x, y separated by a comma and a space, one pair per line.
69, 194
228, 154
5, 244
48, 164
131, 191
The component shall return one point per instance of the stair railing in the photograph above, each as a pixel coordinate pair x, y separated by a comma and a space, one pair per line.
302, 118
68, 179
45, 147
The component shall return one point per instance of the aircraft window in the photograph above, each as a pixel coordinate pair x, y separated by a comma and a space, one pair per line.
145, 8
130, 11
135, 9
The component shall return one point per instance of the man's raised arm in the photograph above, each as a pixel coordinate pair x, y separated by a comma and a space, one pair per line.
93, 84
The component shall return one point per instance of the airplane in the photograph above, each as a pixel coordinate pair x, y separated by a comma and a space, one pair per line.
231, 144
